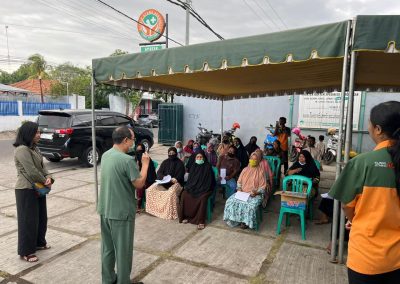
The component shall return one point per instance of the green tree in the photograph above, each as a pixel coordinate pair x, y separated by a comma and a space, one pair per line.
38, 67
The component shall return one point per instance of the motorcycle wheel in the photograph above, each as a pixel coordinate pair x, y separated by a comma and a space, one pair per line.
328, 158
294, 155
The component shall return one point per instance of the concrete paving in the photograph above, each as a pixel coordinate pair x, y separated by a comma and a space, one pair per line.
164, 251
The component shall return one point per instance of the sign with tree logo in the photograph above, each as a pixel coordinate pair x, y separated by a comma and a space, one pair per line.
151, 25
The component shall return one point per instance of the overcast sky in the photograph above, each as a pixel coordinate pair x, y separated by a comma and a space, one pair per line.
78, 30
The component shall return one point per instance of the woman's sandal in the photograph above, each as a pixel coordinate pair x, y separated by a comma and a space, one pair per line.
185, 221
43, 248
30, 258
200, 226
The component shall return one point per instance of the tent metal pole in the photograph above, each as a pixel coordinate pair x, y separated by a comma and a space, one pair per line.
222, 119
347, 147
340, 143
96, 189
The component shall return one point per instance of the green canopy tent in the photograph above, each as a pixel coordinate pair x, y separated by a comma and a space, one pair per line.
289, 62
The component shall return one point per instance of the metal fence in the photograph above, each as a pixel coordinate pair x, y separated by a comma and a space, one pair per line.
8, 108
34, 108
32, 98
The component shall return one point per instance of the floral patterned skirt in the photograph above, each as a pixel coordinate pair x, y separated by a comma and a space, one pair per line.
237, 211
162, 202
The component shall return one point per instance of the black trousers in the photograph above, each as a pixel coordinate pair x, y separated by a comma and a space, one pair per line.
32, 221
285, 161
392, 277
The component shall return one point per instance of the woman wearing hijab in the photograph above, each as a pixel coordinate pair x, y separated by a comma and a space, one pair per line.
211, 155
223, 146
252, 145
198, 188
269, 176
251, 180
241, 153
162, 199
179, 149
151, 174
192, 158
305, 166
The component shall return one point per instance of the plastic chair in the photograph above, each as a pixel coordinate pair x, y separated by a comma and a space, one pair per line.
298, 183
155, 164
318, 164
275, 165
211, 198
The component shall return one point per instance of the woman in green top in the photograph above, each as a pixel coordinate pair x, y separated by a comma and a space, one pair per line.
31, 209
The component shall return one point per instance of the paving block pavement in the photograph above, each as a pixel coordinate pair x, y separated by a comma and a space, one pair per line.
165, 251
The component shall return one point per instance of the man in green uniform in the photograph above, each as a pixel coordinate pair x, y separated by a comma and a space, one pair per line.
117, 206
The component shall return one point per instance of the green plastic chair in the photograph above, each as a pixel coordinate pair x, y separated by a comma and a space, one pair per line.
318, 164
297, 186
211, 198
275, 165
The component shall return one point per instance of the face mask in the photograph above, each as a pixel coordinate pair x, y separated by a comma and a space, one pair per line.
199, 162
196, 148
301, 164
179, 150
225, 141
132, 148
172, 156
253, 163
231, 155
237, 146
139, 151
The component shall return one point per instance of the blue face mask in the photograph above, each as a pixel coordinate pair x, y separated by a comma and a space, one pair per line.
199, 162
132, 148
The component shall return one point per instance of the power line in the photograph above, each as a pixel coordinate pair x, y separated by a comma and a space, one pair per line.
266, 14
67, 31
255, 13
125, 15
276, 13
196, 16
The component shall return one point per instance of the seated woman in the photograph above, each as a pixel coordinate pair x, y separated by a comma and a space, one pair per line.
241, 153
305, 166
211, 155
151, 174
198, 188
275, 151
192, 158
162, 200
269, 176
179, 149
232, 166
223, 146
251, 180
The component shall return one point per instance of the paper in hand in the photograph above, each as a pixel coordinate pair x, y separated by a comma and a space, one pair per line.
166, 179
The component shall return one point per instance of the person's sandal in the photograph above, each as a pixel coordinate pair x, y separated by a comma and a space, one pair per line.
185, 221
43, 248
30, 258
200, 226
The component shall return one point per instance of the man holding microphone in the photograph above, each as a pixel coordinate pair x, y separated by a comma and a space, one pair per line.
117, 205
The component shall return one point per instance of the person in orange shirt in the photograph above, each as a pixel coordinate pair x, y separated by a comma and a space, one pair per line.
369, 189
283, 133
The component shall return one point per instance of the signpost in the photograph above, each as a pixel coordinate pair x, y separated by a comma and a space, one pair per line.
151, 26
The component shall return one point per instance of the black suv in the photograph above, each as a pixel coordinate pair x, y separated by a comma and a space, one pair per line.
68, 133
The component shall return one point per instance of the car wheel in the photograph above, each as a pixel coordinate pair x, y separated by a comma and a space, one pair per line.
87, 157
54, 160
146, 144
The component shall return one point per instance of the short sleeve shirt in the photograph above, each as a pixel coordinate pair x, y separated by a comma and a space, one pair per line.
368, 185
283, 137
117, 194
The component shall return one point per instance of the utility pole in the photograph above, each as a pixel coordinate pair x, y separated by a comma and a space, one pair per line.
188, 2
8, 50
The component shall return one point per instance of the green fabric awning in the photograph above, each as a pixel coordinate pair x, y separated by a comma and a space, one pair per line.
377, 42
293, 61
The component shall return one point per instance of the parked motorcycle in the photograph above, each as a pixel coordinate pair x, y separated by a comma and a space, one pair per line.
331, 147
299, 144
204, 135
270, 138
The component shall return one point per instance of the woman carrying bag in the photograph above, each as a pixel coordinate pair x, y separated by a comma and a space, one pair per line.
31, 202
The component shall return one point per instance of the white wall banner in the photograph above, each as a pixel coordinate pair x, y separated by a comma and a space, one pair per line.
322, 110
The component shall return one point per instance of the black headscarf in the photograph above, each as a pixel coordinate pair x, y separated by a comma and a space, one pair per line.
192, 159
251, 147
201, 178
172, 166
241, 154
310, 169
151, 172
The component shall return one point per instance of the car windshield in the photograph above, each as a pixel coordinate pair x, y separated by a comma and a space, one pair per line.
54, 121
